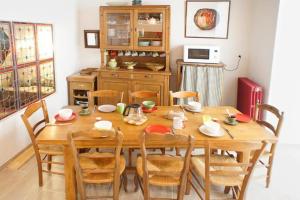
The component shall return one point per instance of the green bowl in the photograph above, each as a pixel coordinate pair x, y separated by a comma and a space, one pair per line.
148, 104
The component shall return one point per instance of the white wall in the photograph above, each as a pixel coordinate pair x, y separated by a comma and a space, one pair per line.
285, 81
231, 48
63, 16
261, 43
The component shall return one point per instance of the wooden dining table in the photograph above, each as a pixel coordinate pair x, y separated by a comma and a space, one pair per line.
56, 134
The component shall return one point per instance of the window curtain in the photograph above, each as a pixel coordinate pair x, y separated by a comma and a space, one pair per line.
208, 81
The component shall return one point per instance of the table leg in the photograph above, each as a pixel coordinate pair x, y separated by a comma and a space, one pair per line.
70, 183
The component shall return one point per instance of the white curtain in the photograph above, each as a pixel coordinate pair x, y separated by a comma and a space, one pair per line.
208, 81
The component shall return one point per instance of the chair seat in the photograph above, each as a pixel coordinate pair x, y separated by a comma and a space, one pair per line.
96, 160
161, 165
51, 149
198, 164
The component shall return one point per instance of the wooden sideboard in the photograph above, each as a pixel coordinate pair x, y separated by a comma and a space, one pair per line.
127, 29
135, 80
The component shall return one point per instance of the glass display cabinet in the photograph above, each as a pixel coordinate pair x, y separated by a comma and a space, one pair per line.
135, 40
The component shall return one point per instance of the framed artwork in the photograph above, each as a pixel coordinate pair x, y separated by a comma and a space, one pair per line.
6, 54
24, 34
207, 18
26, 65
91, 39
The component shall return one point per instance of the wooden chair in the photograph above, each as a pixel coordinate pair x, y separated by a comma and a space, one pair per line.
105, 95
98, 167
163, 170
138, 96
183, 95
46, 150
275, 129
224, 170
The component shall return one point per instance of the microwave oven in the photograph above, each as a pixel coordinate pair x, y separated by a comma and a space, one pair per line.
201, 54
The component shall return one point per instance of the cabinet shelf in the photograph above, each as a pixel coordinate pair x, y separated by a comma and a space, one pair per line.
80, 97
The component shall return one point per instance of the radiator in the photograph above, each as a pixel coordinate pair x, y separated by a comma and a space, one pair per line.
248, 95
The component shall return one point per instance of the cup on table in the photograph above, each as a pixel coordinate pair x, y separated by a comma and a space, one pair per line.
84, 107
231, 119
177, 122
121, 107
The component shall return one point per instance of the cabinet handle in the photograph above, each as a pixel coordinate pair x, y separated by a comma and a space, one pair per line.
148, 76
115, 75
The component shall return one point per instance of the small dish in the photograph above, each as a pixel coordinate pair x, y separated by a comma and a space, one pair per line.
146, 110
242, 118
161, 129
84, 113
233, 123
107, 108
203, 130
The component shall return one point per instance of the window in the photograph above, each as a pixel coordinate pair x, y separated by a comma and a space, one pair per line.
26, 65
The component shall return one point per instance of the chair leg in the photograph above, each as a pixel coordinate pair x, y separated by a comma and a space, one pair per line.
130, 157
49, 158
136, 183
163, 151
269, 171
177, 151
40, 172
125, 181
188, 184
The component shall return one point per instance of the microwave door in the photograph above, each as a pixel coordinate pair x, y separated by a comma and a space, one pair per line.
198, 54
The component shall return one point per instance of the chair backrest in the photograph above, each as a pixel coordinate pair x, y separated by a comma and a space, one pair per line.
227, 169
105, 96
139, 96
183, 95
93, 139
35, 129
275, 112
162, 140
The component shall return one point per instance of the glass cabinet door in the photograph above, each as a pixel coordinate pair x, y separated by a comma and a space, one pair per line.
118, 29
150, 30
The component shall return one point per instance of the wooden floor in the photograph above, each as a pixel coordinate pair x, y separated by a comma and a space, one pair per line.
22, 184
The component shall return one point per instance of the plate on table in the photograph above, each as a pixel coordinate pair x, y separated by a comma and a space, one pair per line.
203, 130
146, 110
107, 108
60, 119
242, 118
188, 108
161, 129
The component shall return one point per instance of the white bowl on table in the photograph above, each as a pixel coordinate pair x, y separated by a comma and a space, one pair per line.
212, 127
103, 125
65, 113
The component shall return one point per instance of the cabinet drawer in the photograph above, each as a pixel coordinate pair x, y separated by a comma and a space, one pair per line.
81, 86
146, 76
114, 75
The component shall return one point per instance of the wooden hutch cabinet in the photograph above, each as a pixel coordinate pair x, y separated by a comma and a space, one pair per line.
135, 34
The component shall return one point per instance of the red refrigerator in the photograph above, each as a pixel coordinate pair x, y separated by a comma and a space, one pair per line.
248, 95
